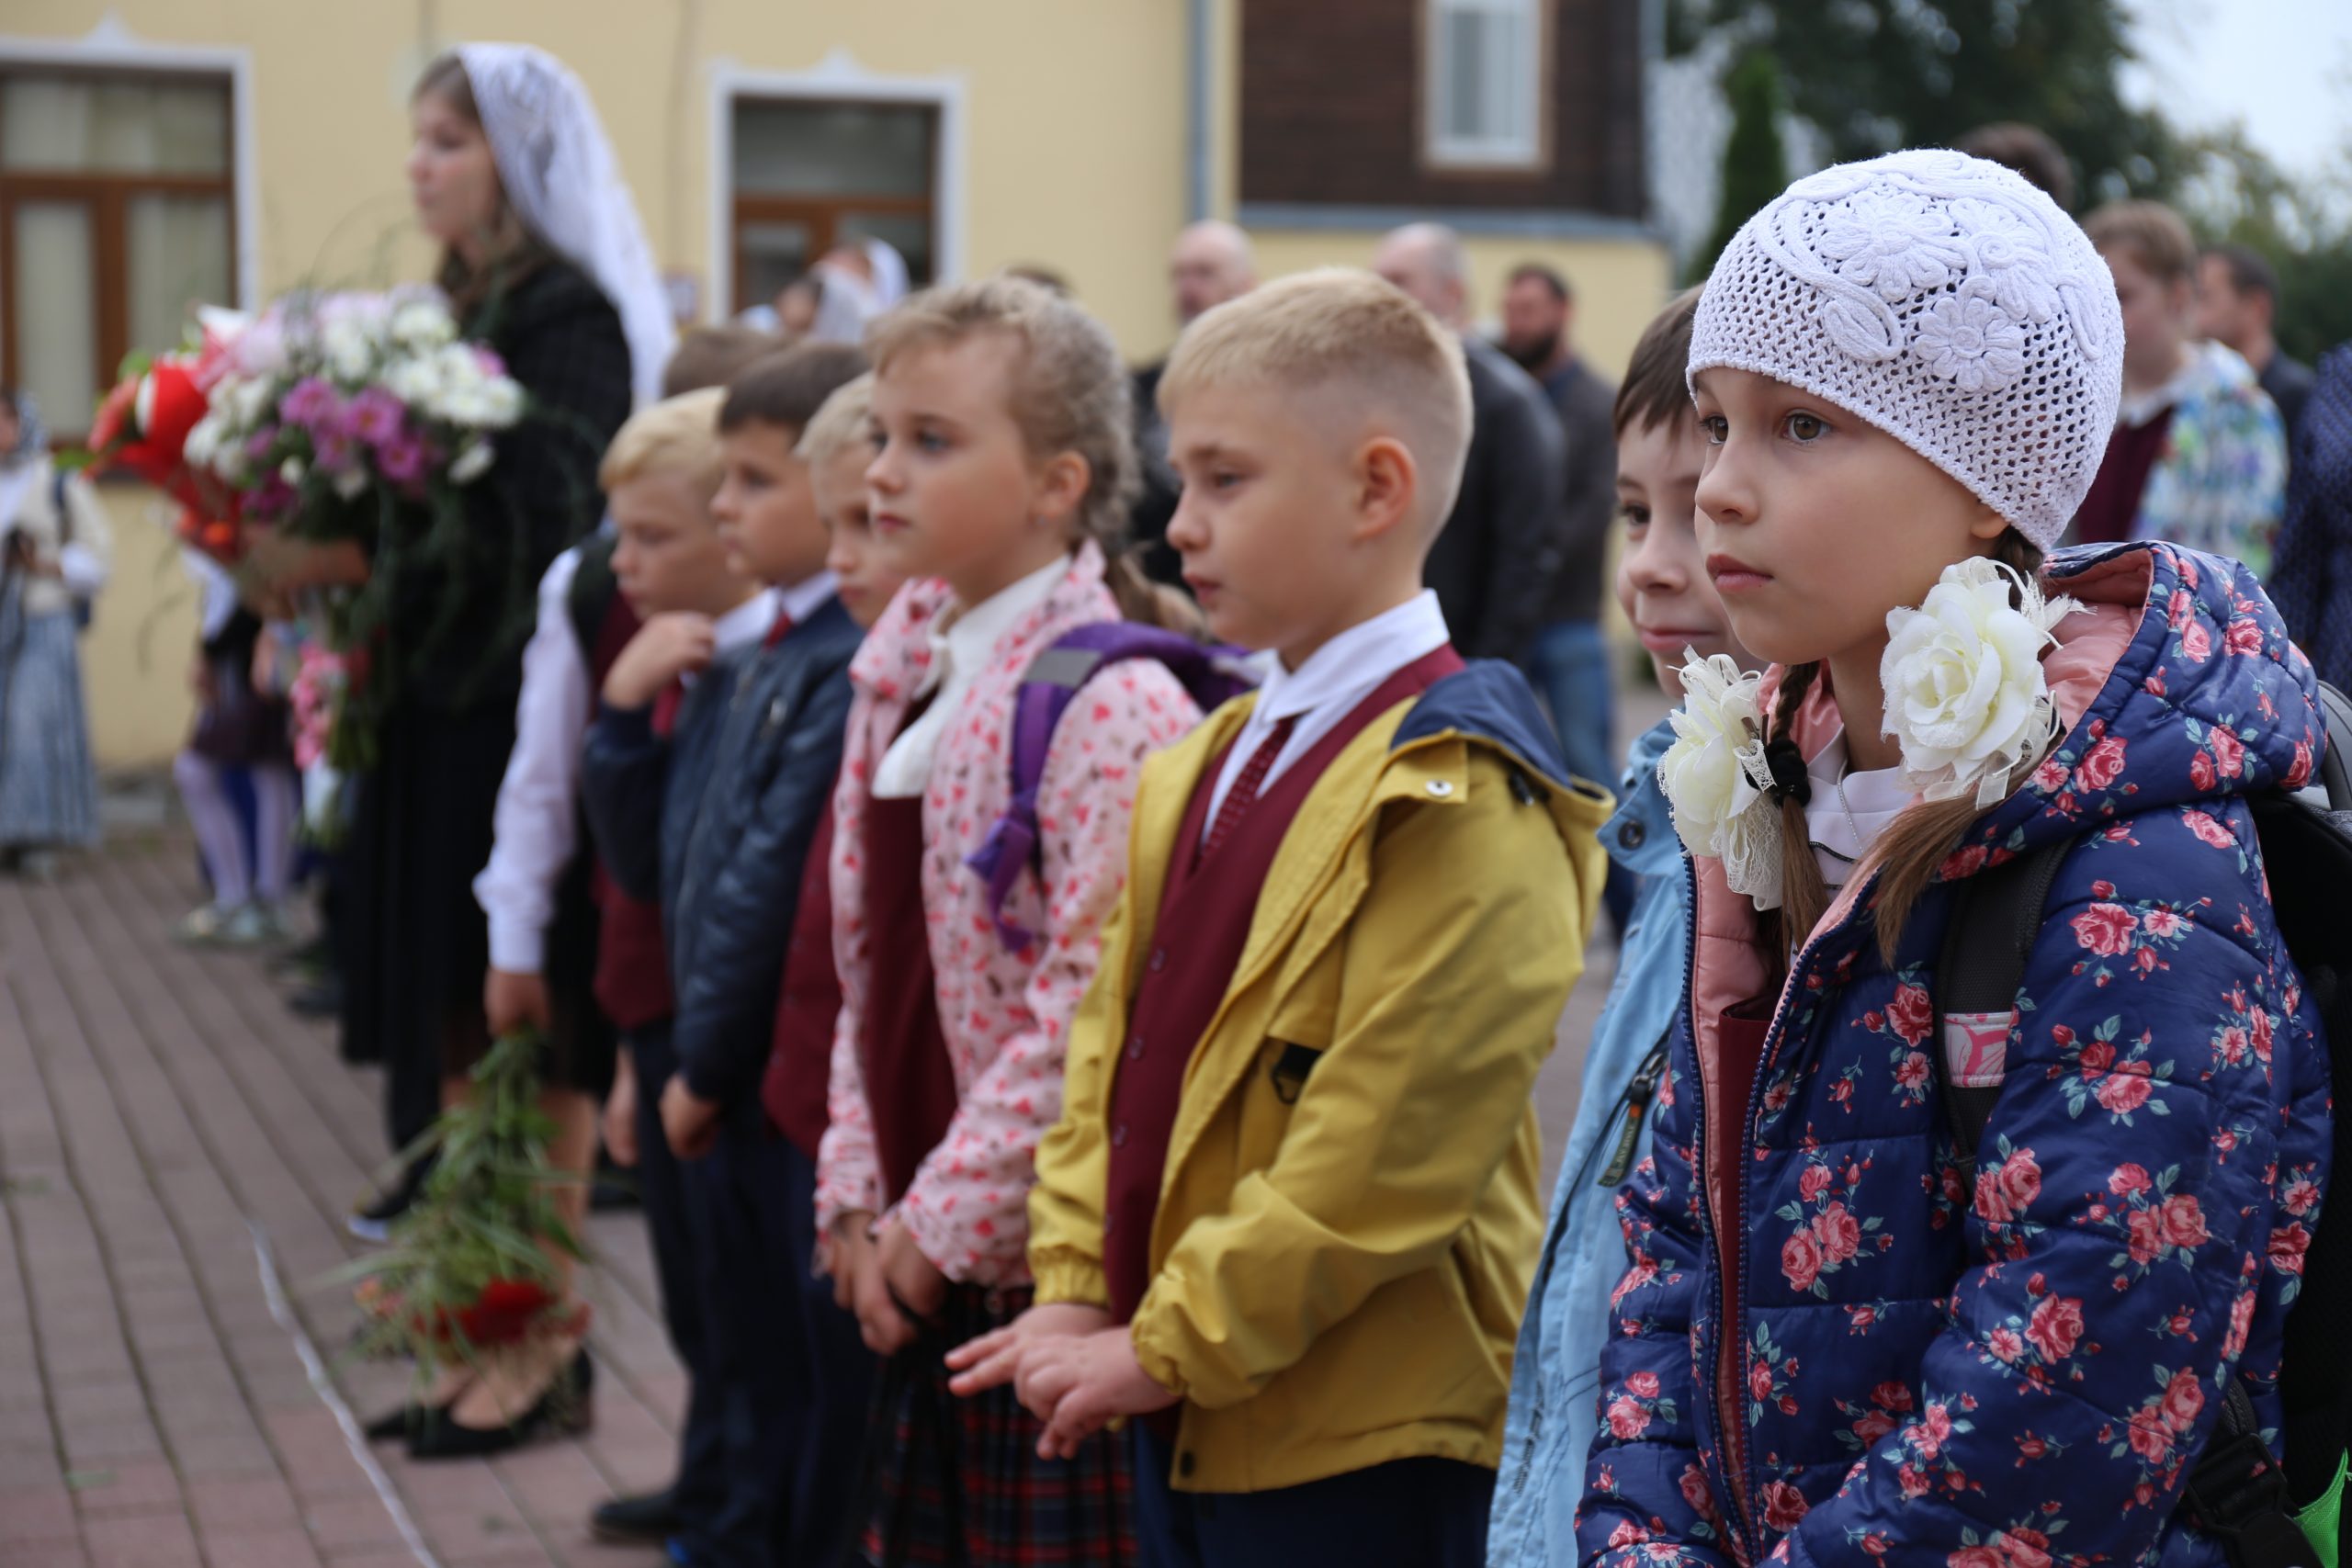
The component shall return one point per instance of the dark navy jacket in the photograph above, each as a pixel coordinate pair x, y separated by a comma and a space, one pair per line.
716, 824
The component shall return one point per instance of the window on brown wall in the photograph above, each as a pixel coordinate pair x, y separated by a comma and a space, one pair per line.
809, 174
117, 216
1484, 81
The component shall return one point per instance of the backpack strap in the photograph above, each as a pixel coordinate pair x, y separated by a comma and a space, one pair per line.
1995, 916
1211, 674
2236, 1492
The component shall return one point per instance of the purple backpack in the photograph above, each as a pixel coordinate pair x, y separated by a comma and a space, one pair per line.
1211, 673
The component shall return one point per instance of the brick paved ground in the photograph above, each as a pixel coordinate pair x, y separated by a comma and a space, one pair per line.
158, 1108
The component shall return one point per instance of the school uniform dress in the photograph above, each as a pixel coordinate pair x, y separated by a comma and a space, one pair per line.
416, 943
48, 786
947, 1058
1296, 1154
732, 803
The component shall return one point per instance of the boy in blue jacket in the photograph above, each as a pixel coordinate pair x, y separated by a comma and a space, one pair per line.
1663, 587
706, 796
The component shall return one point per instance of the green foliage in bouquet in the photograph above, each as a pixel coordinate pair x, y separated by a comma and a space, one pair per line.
472, 1264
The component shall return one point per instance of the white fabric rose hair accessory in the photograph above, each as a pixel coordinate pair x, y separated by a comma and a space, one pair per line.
1966, 698
1716, 778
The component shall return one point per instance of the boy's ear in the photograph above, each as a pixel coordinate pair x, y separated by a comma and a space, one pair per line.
1062, 482
1387, 485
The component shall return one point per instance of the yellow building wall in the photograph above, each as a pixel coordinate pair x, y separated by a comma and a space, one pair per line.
1074, 155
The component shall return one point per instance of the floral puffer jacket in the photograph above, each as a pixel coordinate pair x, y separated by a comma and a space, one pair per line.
1823, 1354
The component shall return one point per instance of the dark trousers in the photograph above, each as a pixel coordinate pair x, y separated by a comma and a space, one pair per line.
791, 1373
1409, 1512
701, 1487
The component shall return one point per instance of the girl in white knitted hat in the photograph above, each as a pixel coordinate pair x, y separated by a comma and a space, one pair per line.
1831, 1347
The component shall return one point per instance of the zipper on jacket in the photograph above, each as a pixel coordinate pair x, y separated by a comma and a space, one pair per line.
1633, 1105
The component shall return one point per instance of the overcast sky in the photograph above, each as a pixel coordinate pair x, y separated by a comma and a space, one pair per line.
2283, 66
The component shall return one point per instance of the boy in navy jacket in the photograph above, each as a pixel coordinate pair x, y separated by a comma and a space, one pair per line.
715, 819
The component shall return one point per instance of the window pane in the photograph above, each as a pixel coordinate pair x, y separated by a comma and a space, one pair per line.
793, 149
179, 259
129, 125
1465, 78
56, 325
771, 256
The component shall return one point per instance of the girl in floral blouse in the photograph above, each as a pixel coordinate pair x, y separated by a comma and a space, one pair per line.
1004, 471
1828, 1349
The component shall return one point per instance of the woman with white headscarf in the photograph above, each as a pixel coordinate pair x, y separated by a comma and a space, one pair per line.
544, 259
54, 553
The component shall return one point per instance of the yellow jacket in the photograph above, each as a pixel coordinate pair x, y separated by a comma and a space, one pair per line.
1337, 1281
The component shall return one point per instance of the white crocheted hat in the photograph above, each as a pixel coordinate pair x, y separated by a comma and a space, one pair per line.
1947, 302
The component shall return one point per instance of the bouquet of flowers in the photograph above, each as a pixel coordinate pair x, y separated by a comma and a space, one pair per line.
472, 1264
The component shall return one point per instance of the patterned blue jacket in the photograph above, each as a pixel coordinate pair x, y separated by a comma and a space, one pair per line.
1823, 1355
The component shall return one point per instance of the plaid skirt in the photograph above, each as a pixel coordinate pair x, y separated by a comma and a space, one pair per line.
957, 1482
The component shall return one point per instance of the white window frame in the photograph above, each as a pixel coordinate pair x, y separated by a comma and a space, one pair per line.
112, 46
1524, 147
835, 79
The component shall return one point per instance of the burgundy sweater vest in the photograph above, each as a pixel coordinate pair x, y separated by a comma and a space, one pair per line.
1204, 915
808, 1006
632, 966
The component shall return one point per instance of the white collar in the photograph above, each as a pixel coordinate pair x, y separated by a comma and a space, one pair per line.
1355, 661
804, 598
747, 622
972, 634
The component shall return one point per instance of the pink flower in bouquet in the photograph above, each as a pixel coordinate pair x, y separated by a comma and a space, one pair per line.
403, 460
488, 358
259, 444
374, 416
312, 404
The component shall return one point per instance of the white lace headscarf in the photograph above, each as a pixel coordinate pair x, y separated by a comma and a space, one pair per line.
564, 183
847, 302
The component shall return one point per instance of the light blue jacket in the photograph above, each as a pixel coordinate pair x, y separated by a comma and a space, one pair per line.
1556, 1375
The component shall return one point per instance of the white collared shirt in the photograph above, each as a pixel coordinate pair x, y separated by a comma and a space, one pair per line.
1849, 812
535, 824
802, 599
958, 655
1326, 689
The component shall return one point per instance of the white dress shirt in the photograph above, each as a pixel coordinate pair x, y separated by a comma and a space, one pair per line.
1849, 812
803, 599
1326, 688
958, 655
535, 826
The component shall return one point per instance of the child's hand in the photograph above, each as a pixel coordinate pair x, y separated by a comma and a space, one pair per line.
665, 648
882, 1323
1087, 1383
689, 1122
842, 1251
995, 1359
620, 1114
516, 1001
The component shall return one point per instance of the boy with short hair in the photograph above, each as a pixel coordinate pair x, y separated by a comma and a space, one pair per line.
1289, 1211
1663, 587
715, 819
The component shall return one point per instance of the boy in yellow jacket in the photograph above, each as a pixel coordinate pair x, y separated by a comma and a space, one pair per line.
1289, 1213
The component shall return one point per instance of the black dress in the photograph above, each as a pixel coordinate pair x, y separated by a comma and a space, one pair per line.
417, 945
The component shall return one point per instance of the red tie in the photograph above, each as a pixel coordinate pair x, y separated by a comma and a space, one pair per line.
1244, 793
776, 632
665, 709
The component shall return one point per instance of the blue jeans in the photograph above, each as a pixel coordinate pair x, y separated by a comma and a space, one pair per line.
1569, 665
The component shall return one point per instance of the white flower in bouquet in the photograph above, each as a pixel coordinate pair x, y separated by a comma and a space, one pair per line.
1714, 776
249, 402
421, 324
416, 381
1965, 696
350, 349
292, 471
471, 463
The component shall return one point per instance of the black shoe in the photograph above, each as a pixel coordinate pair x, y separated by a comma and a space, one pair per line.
398, 1423
651, 1519
373, 1221
564, 1407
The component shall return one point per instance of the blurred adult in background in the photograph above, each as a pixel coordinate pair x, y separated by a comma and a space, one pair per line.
2237, 304
2197, 455
855, 282
2312, 581
1210, 264
55, 549
1569, 662
2029, 151
1495, 564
